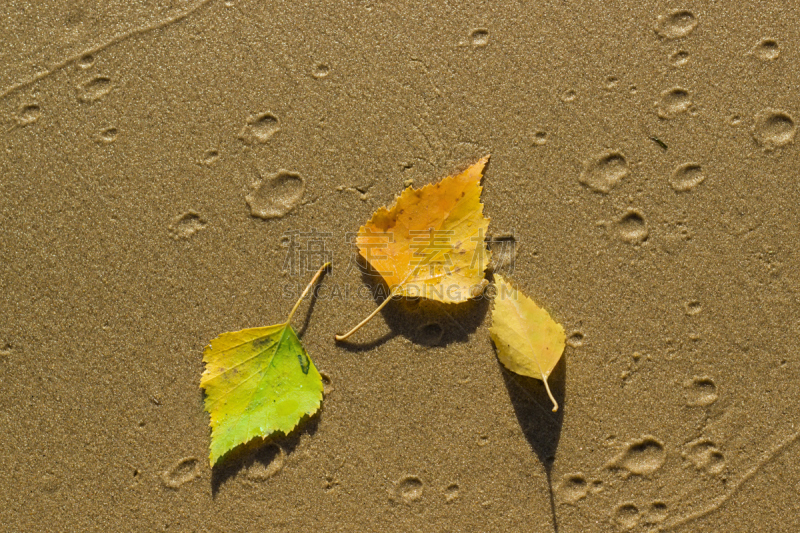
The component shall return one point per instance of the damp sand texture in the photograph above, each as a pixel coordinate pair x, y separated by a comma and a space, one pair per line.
158, 160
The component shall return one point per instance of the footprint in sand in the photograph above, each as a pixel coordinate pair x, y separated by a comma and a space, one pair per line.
408, 489
773, 128
259, 128
182, 472
276, 195
603, 172
642, 457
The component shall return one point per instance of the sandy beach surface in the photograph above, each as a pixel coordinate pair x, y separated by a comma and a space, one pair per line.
171, 170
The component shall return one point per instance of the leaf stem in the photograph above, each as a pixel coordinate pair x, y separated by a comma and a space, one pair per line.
308, 288
544, 378
372, 314
546, 386
375, 312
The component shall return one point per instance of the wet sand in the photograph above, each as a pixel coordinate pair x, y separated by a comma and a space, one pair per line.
177, 170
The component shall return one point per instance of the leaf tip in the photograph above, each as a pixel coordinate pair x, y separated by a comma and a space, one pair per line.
480, 165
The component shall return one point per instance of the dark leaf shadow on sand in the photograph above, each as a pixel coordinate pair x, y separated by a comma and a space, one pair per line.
260, 459
541, 426
422, 321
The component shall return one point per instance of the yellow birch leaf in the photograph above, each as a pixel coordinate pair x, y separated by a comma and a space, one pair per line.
529, 342
430, 243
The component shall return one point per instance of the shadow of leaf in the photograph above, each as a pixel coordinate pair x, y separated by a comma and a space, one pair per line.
540, 426
261, 458
422, 321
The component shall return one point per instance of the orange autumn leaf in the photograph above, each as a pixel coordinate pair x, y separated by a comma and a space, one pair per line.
430, 243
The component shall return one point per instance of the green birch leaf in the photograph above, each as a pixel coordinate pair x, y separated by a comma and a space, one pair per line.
257, 382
